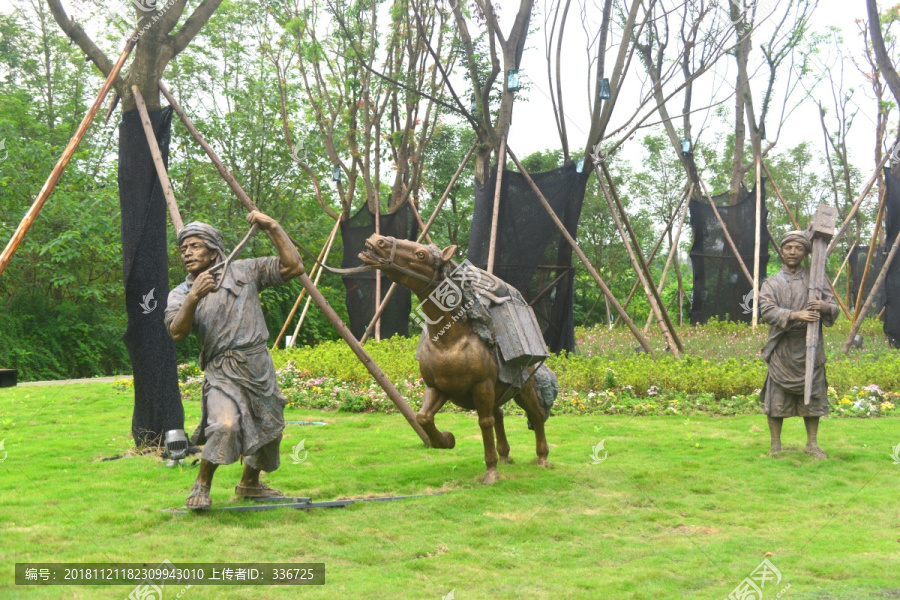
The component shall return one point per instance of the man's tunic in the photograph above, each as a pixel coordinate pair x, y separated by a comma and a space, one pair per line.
242, 409
785, 350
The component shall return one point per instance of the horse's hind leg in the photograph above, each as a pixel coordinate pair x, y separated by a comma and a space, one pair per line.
502, 444
433, 402
483, 395
528, 400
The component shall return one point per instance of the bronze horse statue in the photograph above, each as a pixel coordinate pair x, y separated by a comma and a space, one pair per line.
458, 355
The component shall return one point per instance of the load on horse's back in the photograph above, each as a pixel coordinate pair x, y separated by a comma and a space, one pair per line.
481, 345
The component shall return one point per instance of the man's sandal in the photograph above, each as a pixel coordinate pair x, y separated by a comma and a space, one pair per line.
199, 498
256, 491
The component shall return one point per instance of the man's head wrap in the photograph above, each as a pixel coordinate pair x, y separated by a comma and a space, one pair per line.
797, 236
211, 236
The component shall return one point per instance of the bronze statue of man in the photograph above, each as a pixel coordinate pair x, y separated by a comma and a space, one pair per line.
784, 306
242, 409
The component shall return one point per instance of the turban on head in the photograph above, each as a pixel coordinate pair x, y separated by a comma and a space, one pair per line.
797, 236
211, 236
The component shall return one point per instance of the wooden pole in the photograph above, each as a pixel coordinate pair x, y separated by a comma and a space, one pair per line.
659, 242
846, 259
734, 249
755, 318
378, 271
856, 205
587, 264
155, 152
302, 293
781, 197
672, 252
308, 285
422, 235
869, 256
647, 284
31, 215
308, 300
642, 263
415, 211
857, 323
495, 218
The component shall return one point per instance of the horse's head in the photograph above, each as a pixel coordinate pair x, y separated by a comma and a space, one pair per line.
409, 263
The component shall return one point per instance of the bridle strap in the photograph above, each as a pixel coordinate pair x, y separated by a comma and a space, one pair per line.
388, 263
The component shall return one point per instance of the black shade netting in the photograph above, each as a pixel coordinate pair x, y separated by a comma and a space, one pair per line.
157, 399
892, 283
531, 254
360, 288
721, 289
857, 264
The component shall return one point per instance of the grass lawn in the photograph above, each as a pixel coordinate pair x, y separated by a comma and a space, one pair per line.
680, 508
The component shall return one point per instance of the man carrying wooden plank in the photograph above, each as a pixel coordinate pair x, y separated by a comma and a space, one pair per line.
785, 306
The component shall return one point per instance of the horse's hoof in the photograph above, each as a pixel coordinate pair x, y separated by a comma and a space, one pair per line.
449, 440
491, 477
543, 462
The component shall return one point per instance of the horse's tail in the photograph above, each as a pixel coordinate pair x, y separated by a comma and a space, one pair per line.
546, 387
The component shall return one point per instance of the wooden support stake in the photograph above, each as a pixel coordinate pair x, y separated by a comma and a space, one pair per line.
659, 242
308, 300
584, 260
755, 318
155, 152
856, 205
642, 263
378, 271
846, 259
780, 197
857, 323
646, 283
422, 235
730, 241
869, 256
31, 215
302, 293
673, 251
307, 284
495, 219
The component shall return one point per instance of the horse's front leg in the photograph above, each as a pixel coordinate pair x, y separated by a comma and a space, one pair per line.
483, 395
433, 402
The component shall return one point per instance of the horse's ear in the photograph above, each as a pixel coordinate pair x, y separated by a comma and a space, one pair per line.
447, 253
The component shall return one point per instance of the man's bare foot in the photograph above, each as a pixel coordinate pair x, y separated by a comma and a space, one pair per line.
255, 490
776, 449
814, 451
199, 498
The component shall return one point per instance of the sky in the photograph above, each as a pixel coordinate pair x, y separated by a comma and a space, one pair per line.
533, 126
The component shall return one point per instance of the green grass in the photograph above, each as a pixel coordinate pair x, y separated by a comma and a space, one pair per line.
681, 507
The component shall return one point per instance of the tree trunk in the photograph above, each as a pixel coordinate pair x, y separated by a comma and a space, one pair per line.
157, 399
